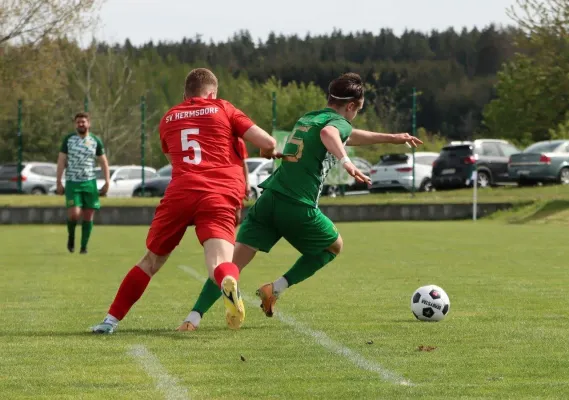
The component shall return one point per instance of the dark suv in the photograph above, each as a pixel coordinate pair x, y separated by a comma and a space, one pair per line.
453, 168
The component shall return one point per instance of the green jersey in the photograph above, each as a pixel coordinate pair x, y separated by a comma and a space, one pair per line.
81, 156
306, 161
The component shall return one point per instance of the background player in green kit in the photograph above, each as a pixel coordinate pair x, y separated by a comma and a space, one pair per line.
288, 206
77, 155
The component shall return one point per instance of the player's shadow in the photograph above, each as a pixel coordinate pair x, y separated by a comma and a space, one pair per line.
157, 332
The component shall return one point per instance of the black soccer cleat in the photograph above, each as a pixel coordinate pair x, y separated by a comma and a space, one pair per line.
83, 250
70, 244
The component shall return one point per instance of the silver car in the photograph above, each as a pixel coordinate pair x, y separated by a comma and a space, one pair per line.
395, 171
37, 177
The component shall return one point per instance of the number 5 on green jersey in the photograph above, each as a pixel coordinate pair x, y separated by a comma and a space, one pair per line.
292, 151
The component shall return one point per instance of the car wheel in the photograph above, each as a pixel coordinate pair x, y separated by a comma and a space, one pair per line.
37, 191
333, 191
484, 179
426, 186
564, 176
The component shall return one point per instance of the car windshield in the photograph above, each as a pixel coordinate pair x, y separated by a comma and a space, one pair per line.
460, 151
99, 173
252, 165
165, 171
391, 159
543, 147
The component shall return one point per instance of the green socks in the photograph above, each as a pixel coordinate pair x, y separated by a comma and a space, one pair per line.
86, 228
306, 266
209, 295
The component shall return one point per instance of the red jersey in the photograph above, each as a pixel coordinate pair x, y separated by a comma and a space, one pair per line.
201, 136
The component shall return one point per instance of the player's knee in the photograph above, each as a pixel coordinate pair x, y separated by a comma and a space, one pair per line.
88, 215
74, 214
337, 246
151, 263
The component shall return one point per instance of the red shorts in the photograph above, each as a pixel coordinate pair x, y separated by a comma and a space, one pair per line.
213, 214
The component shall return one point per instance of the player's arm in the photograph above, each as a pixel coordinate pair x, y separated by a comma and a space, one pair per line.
104, 163
246, 173
359, 137
61, 163
331, 139
262, 140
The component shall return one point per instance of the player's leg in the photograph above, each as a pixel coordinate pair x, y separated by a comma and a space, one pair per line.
210, 292
73, 202
91, 203
130, 290
252, 230
167, 229
317, 239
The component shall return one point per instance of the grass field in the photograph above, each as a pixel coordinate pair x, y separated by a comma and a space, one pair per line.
507, 194
346, 333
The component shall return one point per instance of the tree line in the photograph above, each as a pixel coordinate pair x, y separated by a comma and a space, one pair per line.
495, 81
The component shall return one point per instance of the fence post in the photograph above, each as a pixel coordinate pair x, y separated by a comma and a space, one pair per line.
414, 127
20, 147
142, 140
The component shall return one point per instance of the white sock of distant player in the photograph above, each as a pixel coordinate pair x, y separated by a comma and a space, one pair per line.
280, 285
109, 319
194, 318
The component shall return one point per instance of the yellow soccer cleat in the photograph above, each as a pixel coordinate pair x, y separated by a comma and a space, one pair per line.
268, 299
234, 307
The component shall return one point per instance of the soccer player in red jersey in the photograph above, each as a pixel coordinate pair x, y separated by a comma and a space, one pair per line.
200, 139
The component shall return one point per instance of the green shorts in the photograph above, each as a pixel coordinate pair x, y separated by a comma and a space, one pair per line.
274, 216
82, 194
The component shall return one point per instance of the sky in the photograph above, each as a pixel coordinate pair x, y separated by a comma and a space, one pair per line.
217, 20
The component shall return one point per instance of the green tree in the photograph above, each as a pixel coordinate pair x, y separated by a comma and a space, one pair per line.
533, 88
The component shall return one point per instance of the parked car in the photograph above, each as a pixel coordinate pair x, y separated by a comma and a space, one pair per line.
546, 161
395, 171
259, 170
123, 179
37, 177
355, 186
155, 187
455, 164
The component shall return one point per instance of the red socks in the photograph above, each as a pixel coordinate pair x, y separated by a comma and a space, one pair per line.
225, 269
130, 290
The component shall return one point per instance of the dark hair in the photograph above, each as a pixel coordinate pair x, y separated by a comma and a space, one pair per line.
81, 115
346, 88
197, 79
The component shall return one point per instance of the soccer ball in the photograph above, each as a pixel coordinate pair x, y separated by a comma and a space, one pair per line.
430, 303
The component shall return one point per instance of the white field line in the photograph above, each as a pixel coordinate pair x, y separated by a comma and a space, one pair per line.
322, 339
165, 383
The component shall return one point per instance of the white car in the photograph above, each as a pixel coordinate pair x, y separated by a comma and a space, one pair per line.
395, 171
123, 179
259, 170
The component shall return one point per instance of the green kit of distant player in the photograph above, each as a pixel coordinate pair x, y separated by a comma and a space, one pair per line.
78, 154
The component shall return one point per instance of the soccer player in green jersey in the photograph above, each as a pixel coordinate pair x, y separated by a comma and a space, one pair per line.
288, 206
77, 155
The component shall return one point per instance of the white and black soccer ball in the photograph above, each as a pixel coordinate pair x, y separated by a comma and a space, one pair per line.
430, 303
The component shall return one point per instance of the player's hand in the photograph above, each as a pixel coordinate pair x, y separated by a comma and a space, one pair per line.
269, 154
60, 189
238, 216
104, 189
356, 173
402, 138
